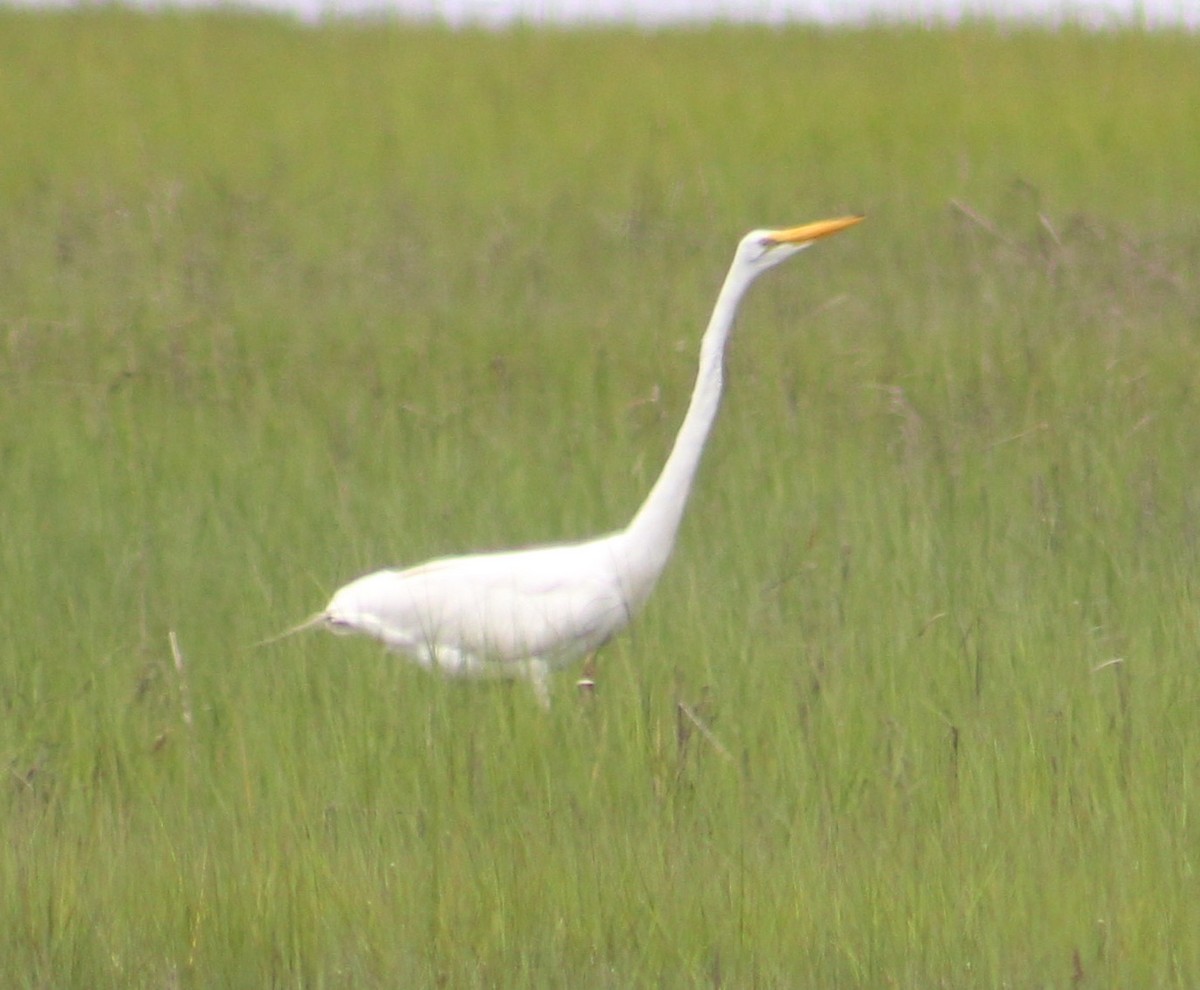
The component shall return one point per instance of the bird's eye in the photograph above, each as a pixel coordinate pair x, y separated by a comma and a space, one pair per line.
765, 246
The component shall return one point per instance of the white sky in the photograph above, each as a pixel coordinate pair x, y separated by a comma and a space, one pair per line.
1099, 13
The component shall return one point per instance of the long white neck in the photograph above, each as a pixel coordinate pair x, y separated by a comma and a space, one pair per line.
649, 538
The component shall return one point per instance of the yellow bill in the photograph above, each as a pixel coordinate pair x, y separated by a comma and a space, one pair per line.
813, 231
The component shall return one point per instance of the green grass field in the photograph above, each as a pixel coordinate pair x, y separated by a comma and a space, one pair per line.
281, 305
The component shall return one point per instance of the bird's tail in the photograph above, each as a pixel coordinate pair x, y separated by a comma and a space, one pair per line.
312, 622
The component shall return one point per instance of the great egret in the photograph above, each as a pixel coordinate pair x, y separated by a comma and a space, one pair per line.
522, 613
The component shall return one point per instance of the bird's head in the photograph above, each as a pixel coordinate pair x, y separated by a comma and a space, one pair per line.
763, 249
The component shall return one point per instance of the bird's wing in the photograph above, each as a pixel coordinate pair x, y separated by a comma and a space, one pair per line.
548, 602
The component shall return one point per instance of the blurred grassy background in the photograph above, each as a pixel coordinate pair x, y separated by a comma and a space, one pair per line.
283, 304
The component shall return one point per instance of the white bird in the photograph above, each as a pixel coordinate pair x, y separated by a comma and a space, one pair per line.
523, 613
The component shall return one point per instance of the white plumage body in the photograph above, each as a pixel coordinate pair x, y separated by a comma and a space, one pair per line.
484, 614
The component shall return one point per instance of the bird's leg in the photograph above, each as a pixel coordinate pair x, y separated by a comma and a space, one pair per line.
539, 676
587, 679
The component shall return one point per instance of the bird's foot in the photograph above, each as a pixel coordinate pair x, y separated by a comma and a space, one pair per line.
587, 680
